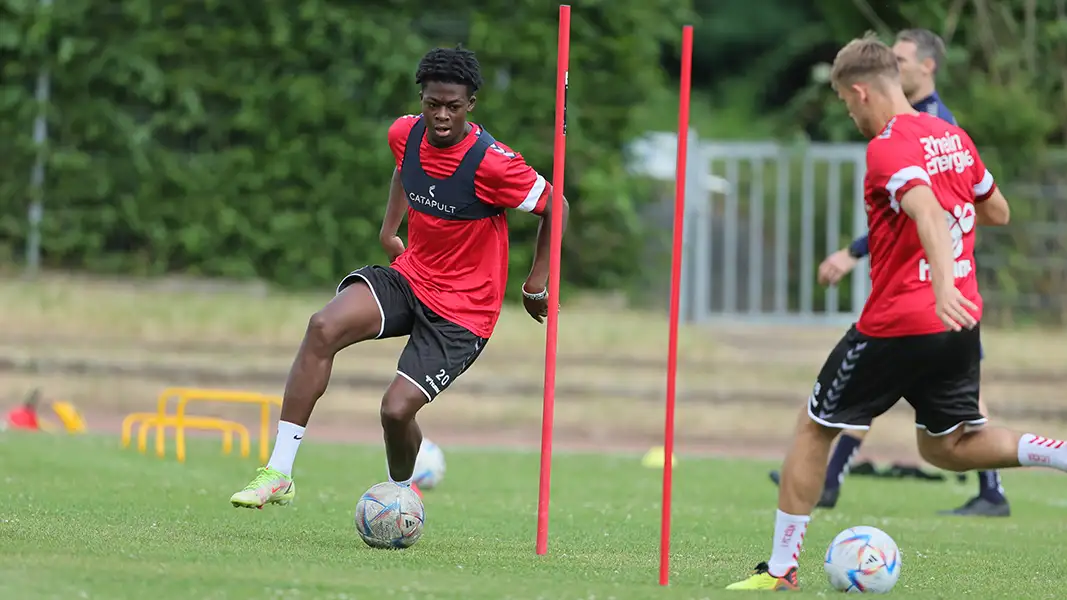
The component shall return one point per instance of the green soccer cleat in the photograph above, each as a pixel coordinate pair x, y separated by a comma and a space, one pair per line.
269, 487
762, 580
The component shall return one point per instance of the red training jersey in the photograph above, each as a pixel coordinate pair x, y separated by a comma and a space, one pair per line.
459, 268
916, 150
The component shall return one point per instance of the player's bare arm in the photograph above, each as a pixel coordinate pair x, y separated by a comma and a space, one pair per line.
394, 216
535, 289
952, 307
993, 210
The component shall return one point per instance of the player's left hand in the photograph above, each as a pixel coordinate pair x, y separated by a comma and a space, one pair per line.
393, 246
954, 309
538, 309
836, 266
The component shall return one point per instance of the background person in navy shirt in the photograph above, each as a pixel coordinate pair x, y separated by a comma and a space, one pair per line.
919, 53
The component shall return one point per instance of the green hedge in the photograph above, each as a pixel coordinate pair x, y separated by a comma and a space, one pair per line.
247, 139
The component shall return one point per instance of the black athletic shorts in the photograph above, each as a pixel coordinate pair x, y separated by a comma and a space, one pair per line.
938, 374
438, 351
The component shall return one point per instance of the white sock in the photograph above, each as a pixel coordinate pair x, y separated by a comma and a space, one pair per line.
789, 533
405, 483
285, 446
1037, 451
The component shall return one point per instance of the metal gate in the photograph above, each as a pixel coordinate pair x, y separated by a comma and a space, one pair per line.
760, 218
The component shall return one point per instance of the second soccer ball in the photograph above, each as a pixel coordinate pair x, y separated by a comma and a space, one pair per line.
429, 466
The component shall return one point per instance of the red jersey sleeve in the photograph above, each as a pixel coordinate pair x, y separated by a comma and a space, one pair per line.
896, 165
504, 179
398, 136
984, 184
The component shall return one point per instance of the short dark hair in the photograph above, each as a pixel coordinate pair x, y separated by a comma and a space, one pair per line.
450, 65
927, 44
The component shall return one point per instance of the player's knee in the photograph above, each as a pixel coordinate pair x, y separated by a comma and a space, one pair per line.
399, 407
323, 332
943, 453
938, 457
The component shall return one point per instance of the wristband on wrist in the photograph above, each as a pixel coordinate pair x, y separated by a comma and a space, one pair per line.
538, 296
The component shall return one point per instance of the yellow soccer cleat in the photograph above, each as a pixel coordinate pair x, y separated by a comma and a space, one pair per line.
762, 580
269, 487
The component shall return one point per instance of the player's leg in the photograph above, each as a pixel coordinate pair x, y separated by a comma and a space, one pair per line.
844, 453
848, 446
401, 402
859, 381
953, 432
990, 487
990, 501
437, 353
368, 305
799, 488
989, 447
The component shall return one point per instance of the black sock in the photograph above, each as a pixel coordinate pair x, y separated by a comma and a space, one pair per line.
989, 486
846, 450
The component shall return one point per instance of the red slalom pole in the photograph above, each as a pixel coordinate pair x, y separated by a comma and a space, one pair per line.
676, 279
560, 151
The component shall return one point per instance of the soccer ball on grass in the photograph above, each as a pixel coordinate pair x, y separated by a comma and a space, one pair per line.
864, 560
429, 466
389, 516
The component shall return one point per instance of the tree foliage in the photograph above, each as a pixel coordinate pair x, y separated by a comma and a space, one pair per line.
1006, 82
1005, 79
247, 139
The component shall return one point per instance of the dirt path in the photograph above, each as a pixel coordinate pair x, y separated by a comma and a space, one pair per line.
528, 438
110, 346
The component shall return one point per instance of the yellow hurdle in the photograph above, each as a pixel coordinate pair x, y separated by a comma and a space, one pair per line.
128, 423
184, 396
227, 428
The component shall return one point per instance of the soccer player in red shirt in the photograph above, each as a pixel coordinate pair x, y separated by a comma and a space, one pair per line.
917, 338
444, 290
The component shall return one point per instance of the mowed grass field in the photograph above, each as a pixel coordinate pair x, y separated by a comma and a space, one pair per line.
82, 518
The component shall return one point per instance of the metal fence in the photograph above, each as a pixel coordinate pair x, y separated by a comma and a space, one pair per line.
753, 250
761, 216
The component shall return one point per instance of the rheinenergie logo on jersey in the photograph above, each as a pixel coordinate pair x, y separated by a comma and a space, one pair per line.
945, 153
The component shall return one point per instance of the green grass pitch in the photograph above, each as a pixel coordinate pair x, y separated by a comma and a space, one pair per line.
82, 518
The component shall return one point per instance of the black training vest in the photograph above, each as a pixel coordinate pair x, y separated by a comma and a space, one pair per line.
453, 198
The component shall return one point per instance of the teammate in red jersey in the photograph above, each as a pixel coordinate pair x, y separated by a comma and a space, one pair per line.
444, 290
920, 53
918, 336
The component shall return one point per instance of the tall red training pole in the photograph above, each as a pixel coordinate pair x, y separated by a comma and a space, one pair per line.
562, 62
676, 279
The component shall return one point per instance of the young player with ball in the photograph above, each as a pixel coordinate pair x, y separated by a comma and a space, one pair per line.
443, 291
